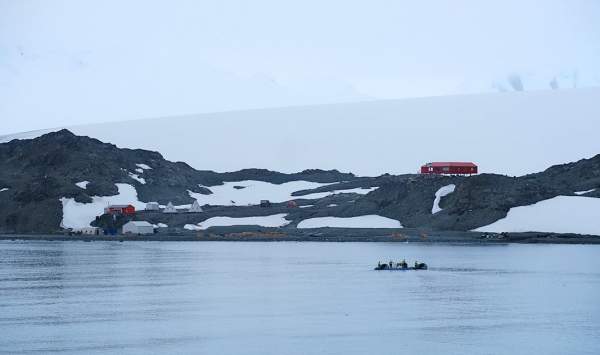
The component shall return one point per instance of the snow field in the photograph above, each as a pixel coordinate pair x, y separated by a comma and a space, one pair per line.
561, 214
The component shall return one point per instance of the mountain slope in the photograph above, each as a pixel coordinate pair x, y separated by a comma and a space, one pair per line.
35, 174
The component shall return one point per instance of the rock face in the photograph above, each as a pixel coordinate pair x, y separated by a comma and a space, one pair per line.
36, 173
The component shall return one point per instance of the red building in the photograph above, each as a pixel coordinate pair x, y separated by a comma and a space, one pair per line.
127, 210
451, 168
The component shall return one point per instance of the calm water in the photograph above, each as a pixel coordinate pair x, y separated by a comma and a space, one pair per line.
297, 298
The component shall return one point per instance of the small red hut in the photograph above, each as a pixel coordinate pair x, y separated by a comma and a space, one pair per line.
450, 168
127, 210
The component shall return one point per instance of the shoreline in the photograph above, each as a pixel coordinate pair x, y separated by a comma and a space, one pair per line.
250, 234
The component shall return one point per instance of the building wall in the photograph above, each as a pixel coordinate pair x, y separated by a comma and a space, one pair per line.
133, 229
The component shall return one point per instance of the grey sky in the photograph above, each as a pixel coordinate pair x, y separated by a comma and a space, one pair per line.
69, 62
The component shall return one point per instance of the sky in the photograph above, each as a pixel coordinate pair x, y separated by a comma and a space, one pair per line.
75, 62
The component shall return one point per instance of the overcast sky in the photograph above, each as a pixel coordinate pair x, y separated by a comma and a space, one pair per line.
70, 62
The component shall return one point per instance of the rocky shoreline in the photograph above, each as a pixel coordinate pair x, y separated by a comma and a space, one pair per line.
257, 234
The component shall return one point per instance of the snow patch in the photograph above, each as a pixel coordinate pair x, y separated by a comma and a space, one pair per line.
306, 206
79, 215
82, 184
140, 171
4, 189
367, 221
143, 166
276, 220
192, 227
561, 214
252, 193
162, 225
358, 190
583, 192
443, 191
332, 205
136, 177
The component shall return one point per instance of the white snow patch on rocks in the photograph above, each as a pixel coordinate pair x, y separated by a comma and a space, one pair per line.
584, 192
367, 221
358, 190
561, 214
79, 215
4, 189
143, 166
276, 220
252, 193
192, 227
136, 177
443, 191
82, 184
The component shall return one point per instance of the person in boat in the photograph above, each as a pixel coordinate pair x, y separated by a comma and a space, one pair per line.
403, 264
391, 264
416, 264
379, 265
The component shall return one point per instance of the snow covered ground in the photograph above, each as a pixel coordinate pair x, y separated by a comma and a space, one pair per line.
78, 215
253, 191
368, 221
371, 138
443, 191
276, 220
562, 214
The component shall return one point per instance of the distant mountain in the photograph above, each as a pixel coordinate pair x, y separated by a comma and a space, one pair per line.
514, 133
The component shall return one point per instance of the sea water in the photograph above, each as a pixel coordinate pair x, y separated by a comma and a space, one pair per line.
297, 298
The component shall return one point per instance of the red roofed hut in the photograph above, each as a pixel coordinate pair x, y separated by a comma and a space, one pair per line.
127, 210
451, 168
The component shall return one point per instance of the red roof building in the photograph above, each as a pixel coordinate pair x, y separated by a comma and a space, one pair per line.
127, 210
450, 168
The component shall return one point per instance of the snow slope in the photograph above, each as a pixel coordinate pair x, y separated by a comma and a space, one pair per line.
371, 138
561, 214
368, 221
443, 191
78, 215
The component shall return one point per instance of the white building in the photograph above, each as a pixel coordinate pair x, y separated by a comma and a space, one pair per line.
152, 206
195, 207
170, 208
138, 227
